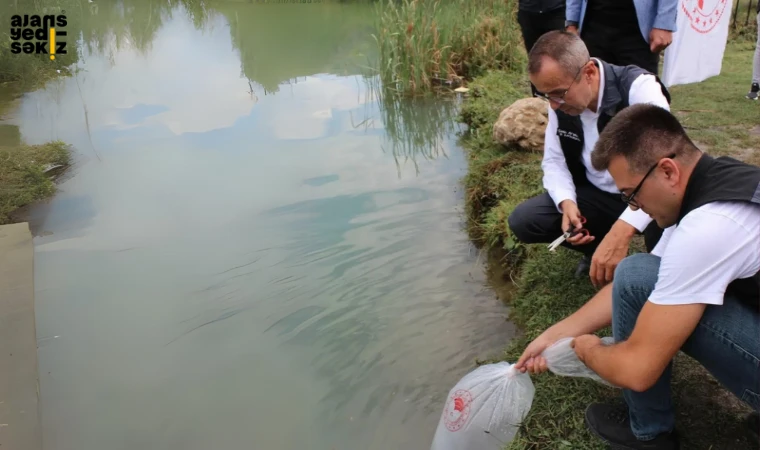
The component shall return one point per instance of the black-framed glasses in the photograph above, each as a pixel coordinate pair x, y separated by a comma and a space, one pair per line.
561, 98
629, 198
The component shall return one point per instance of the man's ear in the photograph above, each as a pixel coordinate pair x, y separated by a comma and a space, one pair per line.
588, 70
671, 170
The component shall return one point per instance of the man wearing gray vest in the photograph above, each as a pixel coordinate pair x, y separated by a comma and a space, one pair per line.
698, 291
583, 94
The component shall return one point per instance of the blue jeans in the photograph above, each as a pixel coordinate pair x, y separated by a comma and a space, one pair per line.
726, 342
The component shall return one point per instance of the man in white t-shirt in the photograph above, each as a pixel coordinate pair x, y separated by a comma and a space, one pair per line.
584, 94
698, 291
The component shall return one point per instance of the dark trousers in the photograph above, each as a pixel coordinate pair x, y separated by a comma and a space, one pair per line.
534, 24
621, 45
537, 219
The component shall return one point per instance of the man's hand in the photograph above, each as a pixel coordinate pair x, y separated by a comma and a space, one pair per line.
571, 220
659, 39
572, 29
582, 344
594, 315
609, 253
639, 361
531, 359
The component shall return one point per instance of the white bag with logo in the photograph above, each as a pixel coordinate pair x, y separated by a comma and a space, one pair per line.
484, 410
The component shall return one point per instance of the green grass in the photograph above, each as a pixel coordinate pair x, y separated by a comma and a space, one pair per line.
498, 178
22, 174
715, 112
719, 118
26, 72
424, 43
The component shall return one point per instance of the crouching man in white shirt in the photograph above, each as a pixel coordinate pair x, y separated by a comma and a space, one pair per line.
584, 93
698, 291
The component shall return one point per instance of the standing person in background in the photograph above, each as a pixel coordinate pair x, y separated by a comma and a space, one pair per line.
537, 17
754, 91
624, 32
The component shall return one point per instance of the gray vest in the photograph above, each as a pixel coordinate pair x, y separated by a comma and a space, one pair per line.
617, 85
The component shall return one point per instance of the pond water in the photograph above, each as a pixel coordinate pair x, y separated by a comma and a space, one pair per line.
252, 250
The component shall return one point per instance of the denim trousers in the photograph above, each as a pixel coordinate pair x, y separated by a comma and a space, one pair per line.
726, 342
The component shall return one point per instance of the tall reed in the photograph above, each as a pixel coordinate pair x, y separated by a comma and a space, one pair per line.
426, 43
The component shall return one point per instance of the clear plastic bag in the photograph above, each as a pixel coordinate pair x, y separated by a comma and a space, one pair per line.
484, 409
562, 360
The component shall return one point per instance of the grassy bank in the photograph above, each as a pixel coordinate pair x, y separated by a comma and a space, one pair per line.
425, 43
24, 174
27, 172
720, 119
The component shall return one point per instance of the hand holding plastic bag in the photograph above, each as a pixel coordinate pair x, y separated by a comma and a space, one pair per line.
485, 408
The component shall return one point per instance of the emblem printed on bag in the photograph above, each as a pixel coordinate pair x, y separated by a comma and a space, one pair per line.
457, 410
703, 15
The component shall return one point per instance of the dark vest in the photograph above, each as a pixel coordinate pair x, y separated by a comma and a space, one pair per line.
725, 179
617, 85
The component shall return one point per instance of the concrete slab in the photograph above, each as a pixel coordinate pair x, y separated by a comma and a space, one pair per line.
19, 393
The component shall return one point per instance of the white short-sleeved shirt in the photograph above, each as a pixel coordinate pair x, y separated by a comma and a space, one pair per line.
713, 245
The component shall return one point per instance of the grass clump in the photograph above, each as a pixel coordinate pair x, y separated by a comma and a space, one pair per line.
424, 43
23, 177
489, 94
499, 178
25, 72
722, 122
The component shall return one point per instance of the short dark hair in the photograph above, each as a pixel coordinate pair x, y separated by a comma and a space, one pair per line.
566, 48
642, 133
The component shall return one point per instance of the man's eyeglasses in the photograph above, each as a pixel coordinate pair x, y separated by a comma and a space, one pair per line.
560, 98
629, 198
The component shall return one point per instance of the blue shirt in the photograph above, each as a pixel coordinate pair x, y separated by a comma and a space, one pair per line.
660, 14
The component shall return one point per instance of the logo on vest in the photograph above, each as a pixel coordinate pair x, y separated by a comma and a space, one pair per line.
568, 134
703, 15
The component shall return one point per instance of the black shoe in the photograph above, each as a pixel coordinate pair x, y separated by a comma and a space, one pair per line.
612, 424
584, 265
754, 92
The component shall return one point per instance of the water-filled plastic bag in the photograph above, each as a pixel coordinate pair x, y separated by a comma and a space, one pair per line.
484, 410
